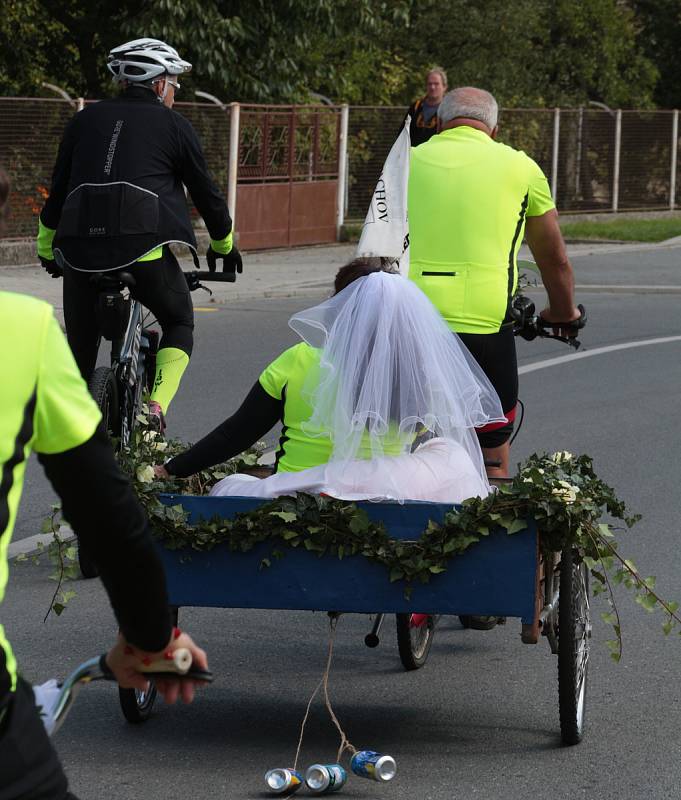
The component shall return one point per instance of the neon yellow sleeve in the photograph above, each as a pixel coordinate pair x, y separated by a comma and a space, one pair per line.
222, 246
44, 241
539, 199
66, 416
276, 375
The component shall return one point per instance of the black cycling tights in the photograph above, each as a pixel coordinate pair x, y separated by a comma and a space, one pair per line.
161, 287
29, 766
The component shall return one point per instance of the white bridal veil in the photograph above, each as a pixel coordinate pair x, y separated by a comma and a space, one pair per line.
390, 370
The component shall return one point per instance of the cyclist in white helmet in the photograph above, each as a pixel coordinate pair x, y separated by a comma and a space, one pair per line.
117, 200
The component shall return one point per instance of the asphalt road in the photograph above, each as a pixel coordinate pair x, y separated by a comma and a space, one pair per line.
481, 719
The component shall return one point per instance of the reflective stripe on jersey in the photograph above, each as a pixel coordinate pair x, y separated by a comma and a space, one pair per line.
468, 200
44, 406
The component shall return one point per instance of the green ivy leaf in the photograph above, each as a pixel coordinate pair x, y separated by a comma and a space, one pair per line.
516, 526
286, 516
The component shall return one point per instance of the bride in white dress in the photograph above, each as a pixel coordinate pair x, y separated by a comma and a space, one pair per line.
392, 379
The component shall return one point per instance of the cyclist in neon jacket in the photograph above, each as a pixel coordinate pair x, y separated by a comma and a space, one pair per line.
117, 200
46, 408
470, 201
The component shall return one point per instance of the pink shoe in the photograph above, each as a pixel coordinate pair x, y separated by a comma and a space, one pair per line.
157, 422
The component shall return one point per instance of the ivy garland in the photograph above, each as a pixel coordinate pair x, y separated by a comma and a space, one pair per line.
561, 492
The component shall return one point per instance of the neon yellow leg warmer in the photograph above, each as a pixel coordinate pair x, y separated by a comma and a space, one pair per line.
171, 363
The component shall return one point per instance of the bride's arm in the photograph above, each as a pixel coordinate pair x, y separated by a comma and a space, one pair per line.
258, 414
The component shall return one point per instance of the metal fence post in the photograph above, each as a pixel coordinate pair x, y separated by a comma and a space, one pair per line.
616, 161
675, 147
342, 167
233, 167
554, 155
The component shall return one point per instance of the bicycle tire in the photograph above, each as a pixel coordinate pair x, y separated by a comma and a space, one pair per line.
574, 632
104, 390
149, 356
137, 706
413, 642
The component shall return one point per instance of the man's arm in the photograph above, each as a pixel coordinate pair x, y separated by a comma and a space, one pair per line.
206, 196
545, 240
99, 504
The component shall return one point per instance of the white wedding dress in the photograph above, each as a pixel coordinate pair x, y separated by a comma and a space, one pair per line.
440, 470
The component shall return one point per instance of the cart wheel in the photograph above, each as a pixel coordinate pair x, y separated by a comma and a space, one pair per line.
414, 638
465, 620
574, 634
137, 706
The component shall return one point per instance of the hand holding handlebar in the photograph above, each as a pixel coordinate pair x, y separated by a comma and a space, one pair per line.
529, 326
561, 326
231, 262
132, 667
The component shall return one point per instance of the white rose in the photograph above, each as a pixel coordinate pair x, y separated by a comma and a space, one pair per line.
566, 492
145, 474
561, 457
160, 445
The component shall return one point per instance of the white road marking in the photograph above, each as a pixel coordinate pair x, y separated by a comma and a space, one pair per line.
30, 543
597, 351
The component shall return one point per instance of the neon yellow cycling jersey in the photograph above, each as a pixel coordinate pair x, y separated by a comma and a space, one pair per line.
292, 377
468, 200
44, 406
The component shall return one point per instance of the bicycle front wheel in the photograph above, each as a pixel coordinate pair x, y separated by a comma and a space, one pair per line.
414, 637
574, 634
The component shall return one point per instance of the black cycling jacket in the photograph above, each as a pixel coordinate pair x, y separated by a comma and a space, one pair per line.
117, 187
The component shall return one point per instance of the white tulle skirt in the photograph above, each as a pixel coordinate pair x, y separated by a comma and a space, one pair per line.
440, 470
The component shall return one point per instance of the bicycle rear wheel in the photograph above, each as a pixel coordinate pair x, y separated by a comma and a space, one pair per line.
104, 389
414, 637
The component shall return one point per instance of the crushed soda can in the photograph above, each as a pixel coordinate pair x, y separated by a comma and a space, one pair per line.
373, 765
282, 780
325, 778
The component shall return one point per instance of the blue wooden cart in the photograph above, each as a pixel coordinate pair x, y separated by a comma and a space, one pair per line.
501, 575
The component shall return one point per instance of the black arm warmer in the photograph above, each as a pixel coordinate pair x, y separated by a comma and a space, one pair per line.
257, 415
98, 502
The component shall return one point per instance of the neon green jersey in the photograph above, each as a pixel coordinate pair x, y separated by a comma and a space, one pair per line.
468, 200
292, 377
44, 407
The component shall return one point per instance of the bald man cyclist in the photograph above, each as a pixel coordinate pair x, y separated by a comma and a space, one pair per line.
470, 201
117, 200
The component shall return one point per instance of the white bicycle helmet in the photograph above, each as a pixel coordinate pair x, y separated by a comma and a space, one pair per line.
142, 60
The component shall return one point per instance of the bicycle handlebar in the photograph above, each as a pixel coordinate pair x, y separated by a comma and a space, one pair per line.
96, 669
529, 325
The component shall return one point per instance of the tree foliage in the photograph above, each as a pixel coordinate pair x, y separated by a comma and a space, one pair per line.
529, 52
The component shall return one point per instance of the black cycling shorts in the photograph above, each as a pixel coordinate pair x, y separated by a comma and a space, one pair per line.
495, 352
29, 767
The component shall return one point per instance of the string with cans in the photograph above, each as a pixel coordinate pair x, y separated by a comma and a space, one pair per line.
327, 778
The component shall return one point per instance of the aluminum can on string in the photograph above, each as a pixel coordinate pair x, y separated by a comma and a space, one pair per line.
325, 778
373, 765
282, 780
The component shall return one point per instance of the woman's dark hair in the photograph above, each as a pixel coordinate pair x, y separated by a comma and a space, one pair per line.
360, 268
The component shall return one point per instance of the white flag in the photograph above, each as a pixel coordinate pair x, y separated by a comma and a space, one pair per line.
386, 228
